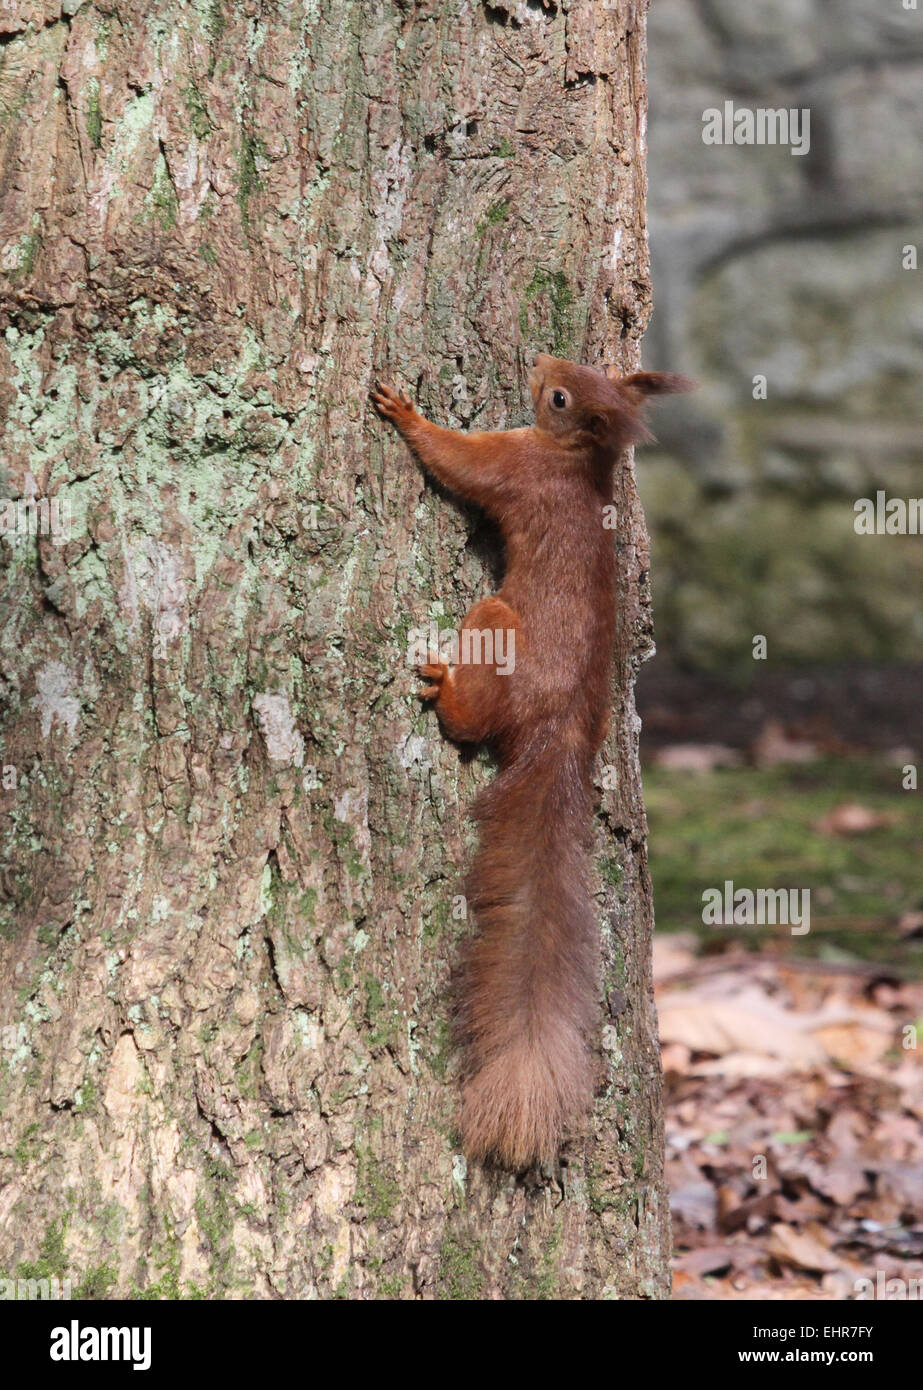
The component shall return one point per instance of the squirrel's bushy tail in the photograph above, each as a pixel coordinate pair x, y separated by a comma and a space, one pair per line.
527, 987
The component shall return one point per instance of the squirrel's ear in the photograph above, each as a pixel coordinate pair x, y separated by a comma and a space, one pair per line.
651, 383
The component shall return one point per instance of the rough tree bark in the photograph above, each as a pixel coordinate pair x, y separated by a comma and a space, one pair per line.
231, 836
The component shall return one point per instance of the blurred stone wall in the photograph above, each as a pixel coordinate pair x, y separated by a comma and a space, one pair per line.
789, 266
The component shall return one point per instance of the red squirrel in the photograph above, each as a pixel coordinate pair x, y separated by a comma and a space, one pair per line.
528, 981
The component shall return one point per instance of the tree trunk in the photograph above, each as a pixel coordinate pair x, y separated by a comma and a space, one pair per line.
232, 838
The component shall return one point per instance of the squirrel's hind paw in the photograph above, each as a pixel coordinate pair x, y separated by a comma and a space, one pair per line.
435, 672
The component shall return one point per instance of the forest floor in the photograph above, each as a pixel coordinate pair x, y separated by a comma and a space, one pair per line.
793, 1061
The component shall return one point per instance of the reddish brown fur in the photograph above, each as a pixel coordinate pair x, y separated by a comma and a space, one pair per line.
528, 982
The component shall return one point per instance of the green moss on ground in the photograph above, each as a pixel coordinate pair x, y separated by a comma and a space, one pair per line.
758, 827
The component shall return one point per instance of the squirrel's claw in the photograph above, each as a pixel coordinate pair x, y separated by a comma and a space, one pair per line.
390, 404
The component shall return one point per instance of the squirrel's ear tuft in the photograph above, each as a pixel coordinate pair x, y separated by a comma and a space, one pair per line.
652, 383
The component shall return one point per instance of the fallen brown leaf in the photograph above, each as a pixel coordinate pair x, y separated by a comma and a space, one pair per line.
910, 924
807, 1249
751, 1024
696, 757
773, 746
850, 818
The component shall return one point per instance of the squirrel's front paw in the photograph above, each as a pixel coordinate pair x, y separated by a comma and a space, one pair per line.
393, 405
436, 672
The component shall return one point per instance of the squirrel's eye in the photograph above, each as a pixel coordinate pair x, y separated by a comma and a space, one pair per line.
559, 399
